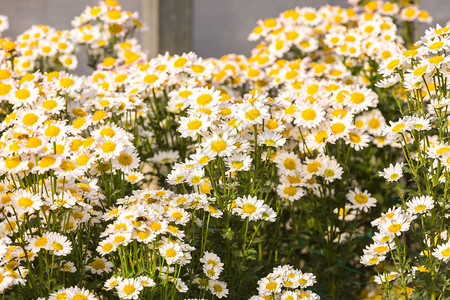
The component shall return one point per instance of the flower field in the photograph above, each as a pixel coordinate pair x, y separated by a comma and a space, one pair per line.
316, 168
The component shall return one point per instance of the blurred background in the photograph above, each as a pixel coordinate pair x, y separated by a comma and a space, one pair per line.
211, 28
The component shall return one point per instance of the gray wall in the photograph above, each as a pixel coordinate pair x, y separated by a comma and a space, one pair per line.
219, 26
56, 13
222, 26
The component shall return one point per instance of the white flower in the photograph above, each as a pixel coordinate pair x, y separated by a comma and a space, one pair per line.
249, 207
442, 252
99, 265
396, 225
58, 244
171, 252
361, 199
129, 288
420, 205
393, 172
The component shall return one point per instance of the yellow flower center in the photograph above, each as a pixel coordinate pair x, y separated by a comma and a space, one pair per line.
309, 114
151, 78
41, 242
129, 289
52, 131
25, 202
155, 226
313, 167
252, 114
361, 198
329, 173
30, 119
171, 252
248, 208
22, 94
271, 285
180, 62
49, 104
194, 124
125, 159
204, 99
67, 166
47, 161
290, 190
354, 137
420, 207
107, 247
357, 98
98, 264
66, 82
398, 127
337, 128
108, 146
290, 164
446, 252
218, 146
57, 246
436, 45
395, 227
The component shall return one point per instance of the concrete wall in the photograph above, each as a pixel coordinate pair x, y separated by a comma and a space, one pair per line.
219, 26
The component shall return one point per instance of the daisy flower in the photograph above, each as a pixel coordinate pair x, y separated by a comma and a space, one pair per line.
305, 279
380, 279
361, 199
112, 282
313, 167
129, 288
395, 128
420, 123
146, 281
420, 205
288, 163
361, 99
25, 95
218, 288
290, 192
331, 170
80, 293
134, 177
99, 265
393, 172
252, 113
371, 259
193, 125
203, 97
309, 116
238, 162
26, 201
357, 140
271, 139
269, 285
221, 145
58, 244
171, 252
109, 148
442, 252
68, 266
127, 160
165, 157
340, 127
395, 225
249, 207
35, 244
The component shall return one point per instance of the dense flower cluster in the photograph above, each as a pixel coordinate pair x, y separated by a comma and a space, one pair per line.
186, 178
